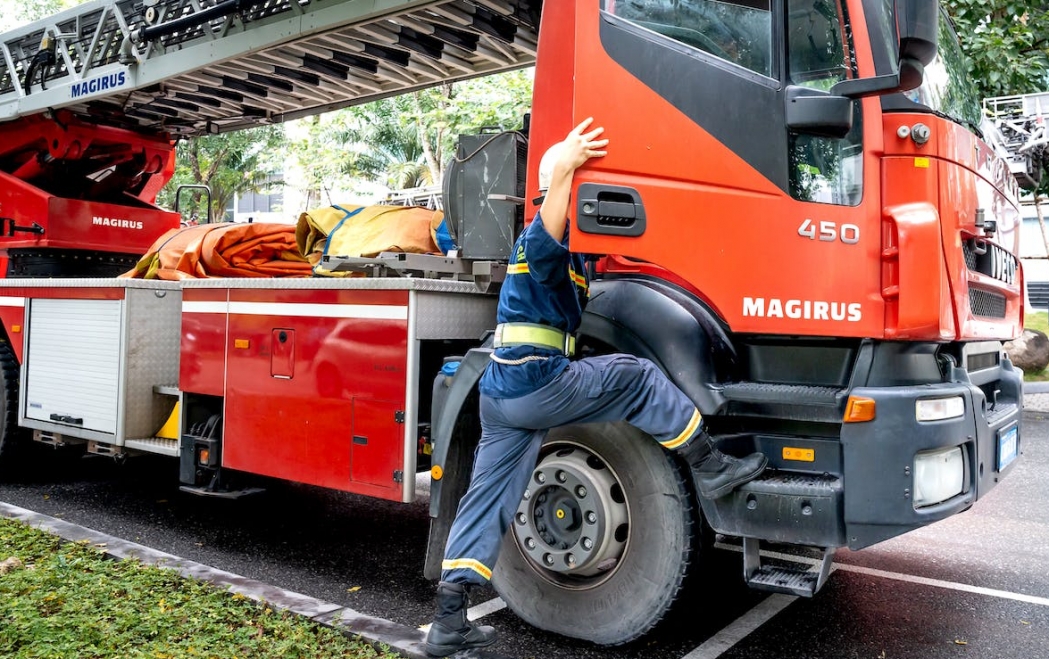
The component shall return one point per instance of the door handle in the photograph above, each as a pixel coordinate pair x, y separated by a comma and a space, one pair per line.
610, 209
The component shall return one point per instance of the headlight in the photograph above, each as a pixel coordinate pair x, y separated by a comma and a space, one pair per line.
936, 409
938, 475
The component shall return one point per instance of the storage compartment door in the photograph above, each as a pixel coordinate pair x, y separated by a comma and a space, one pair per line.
378, 445
73, 363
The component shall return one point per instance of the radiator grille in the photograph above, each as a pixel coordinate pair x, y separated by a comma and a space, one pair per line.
986, 303
990, 259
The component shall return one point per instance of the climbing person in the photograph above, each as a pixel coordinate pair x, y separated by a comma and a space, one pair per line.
530, 386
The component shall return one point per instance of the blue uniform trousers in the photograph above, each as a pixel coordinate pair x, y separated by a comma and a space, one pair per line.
596, 389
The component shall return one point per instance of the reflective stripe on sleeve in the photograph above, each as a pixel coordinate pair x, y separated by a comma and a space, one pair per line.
517, 269
686, 434
578, 279
467, 564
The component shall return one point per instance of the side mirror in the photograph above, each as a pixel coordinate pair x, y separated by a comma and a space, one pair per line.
812, 112
918, 26
918, 23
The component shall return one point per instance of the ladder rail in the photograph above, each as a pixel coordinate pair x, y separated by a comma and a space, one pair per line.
192, 66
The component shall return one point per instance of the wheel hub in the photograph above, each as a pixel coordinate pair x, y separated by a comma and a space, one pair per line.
573, 517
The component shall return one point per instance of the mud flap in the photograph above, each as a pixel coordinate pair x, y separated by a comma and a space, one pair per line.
456, 431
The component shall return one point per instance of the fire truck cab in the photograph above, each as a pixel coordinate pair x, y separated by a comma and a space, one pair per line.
798, 220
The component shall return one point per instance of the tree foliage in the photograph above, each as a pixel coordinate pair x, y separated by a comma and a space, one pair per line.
406, 141
230, 164
14, 13
1007, 43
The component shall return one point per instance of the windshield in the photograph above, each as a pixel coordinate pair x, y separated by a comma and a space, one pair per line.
946, 87
739, 31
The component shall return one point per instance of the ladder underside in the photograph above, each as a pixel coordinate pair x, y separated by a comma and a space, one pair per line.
190, 67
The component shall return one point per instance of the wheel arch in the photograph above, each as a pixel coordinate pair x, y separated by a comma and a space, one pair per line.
688, 341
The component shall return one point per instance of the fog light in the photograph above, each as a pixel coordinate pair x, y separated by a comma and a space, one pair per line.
938, 475
936, 409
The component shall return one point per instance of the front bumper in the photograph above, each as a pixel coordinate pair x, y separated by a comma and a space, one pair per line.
878, 456
858, 488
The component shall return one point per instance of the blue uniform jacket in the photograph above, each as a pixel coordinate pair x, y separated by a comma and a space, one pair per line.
545, 284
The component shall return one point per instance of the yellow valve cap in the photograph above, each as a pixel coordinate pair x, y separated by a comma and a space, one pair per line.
859, 409
436, 472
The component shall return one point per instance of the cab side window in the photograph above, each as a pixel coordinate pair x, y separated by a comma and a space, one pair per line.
823, 170
738, 31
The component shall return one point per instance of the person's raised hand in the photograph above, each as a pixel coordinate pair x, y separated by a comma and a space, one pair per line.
582, 145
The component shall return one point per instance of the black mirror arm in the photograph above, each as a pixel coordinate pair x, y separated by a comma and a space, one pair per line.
909, 76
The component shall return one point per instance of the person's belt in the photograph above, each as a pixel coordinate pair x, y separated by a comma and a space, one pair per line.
529, 334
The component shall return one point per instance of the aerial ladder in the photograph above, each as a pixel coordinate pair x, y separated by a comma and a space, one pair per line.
1018, 126
1019, 130
93, 99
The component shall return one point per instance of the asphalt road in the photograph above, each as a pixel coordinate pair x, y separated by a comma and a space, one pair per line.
976, 585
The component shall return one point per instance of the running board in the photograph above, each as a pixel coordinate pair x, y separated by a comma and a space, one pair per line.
777, 579
221, 494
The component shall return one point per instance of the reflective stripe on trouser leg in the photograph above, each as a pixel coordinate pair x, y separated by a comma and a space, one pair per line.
503, 463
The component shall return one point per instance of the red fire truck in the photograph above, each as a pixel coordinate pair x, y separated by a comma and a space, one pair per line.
798, 221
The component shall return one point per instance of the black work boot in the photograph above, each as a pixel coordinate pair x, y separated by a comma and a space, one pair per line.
716, 474
451, 631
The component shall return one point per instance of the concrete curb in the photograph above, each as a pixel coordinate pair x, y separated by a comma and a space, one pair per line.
407, 641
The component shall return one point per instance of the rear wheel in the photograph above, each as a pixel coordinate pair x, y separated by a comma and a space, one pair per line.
600, 546
12, 438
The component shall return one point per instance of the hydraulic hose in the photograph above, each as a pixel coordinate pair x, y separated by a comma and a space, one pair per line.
220, 10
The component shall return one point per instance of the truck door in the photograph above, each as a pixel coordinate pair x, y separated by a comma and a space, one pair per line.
704, 176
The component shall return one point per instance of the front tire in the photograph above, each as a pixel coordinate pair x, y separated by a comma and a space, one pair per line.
601, 544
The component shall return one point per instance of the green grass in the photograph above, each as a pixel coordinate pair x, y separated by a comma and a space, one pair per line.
66, 600
1037, 321
1040, 322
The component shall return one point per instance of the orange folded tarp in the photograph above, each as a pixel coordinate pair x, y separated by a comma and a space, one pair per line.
258, 249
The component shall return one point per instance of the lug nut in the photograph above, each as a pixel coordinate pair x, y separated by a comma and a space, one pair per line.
588, 544
580, 492
570, 559
548, 559
591, 517
561, 476
529, 543
521, 519
540, 477
528, 494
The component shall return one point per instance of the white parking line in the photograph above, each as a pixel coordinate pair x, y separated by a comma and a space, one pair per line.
743, 626
909, 578
719, 643
481, 610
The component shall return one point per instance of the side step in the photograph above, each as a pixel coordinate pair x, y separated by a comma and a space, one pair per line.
786, 401
778, 579
158, 445
789, 507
